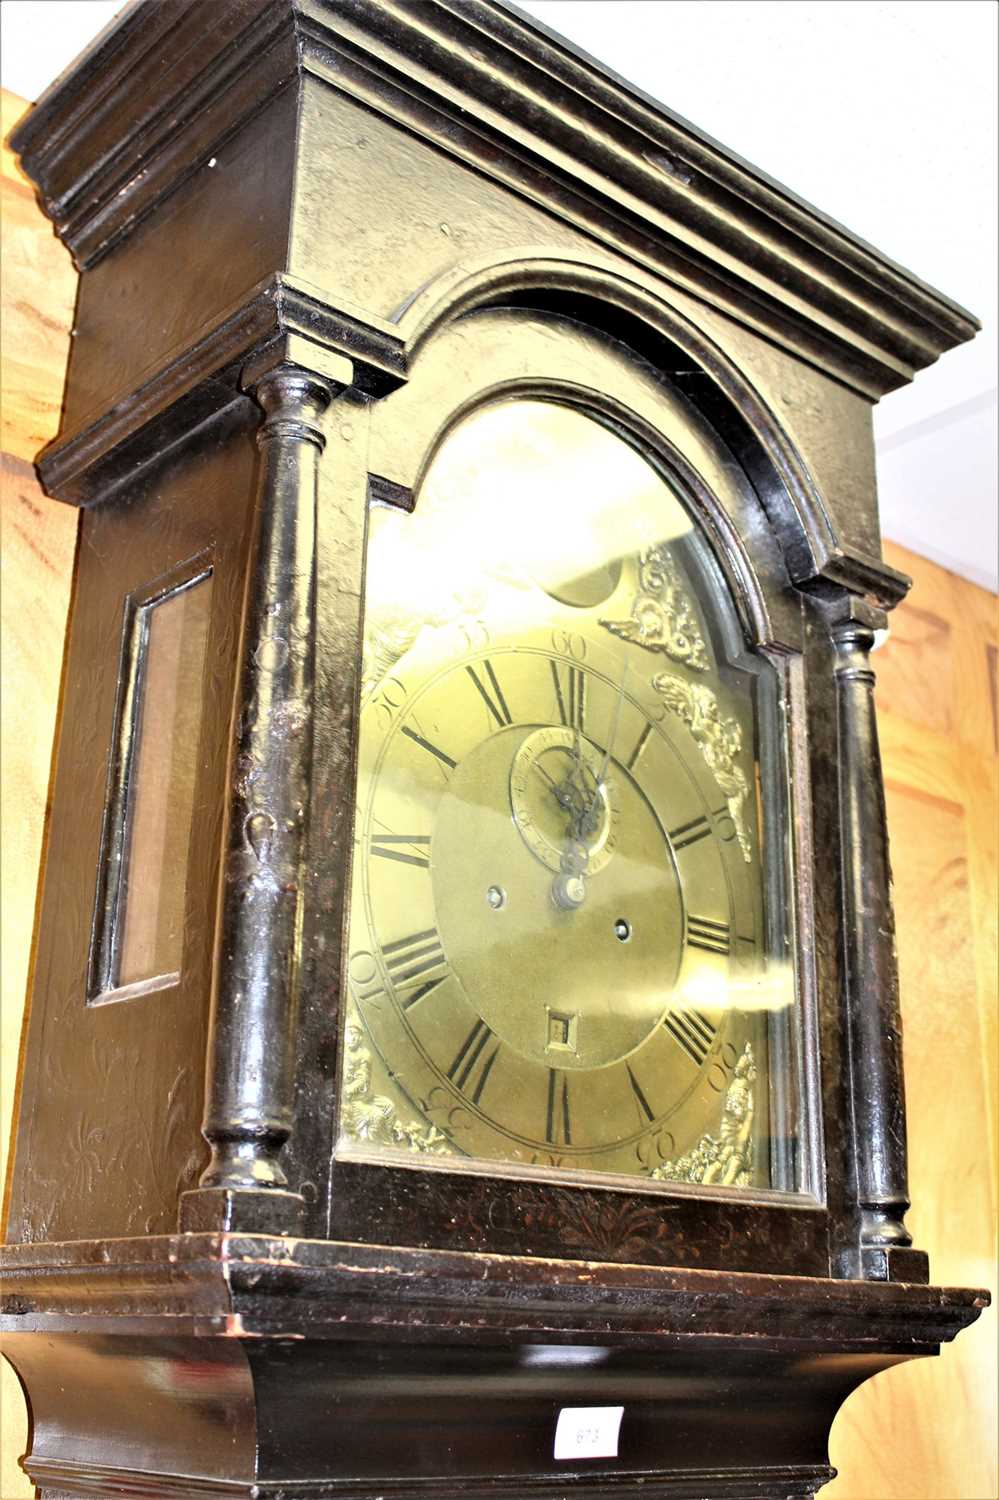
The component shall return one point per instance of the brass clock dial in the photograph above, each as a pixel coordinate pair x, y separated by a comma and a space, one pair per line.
557, 930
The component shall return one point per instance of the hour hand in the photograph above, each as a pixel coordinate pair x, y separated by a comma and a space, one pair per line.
560, 790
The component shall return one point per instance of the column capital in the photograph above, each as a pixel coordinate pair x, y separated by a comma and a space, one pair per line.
293, 355
851, 615
293, 401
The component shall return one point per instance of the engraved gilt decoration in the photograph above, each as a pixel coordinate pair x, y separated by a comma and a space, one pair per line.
718, 738
662, 618
371, 1118
726, 1159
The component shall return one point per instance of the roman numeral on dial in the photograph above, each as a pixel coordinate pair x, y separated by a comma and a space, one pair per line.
558, 1131
412, 960
473, 1064
643, 1103
699, 828
690, 833
713, 937
492, 696
570, 695
692, 1031
402, 847
429, 746
643, 740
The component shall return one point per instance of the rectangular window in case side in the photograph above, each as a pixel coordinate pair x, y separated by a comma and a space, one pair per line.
139, 917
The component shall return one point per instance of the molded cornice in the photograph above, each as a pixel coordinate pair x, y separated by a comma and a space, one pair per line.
197, 380
157, 93
328, 1286
149, 101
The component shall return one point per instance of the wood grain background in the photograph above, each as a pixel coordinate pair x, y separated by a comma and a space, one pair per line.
925, 1431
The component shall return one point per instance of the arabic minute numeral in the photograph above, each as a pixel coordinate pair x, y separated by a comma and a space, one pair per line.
722, 1070
568, 643
362, 971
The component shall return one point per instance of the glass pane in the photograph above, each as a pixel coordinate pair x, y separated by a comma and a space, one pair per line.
569, 936
161, 781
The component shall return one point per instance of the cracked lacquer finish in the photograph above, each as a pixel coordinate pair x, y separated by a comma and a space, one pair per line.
113, 1093
423, 1365
251, 1065
870, 967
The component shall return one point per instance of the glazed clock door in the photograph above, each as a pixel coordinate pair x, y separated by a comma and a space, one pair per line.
569, 942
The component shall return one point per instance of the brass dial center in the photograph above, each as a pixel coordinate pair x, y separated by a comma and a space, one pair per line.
528, 967
559, 790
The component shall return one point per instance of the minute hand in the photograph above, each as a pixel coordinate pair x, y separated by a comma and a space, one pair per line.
602, 777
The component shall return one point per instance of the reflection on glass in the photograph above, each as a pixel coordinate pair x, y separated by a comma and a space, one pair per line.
565, 951
159, 792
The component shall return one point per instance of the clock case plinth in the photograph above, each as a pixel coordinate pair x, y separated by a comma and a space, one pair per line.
268, 1367
277, 209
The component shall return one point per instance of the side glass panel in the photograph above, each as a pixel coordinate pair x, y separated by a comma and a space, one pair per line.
570, 937
139, 926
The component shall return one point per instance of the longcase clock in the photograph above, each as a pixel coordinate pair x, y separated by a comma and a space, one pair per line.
465, 1054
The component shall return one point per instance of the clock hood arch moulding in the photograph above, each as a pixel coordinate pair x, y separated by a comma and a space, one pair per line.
375, 355
409, 425
638, 314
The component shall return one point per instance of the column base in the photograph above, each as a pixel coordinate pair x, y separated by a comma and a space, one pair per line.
241, 1211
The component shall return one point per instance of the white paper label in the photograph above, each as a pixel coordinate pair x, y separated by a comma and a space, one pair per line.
588, 1431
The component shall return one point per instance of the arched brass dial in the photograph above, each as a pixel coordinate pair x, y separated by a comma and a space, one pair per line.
556, 932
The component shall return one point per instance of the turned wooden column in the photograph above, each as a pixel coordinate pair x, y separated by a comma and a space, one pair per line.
869, 960
251, 1050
